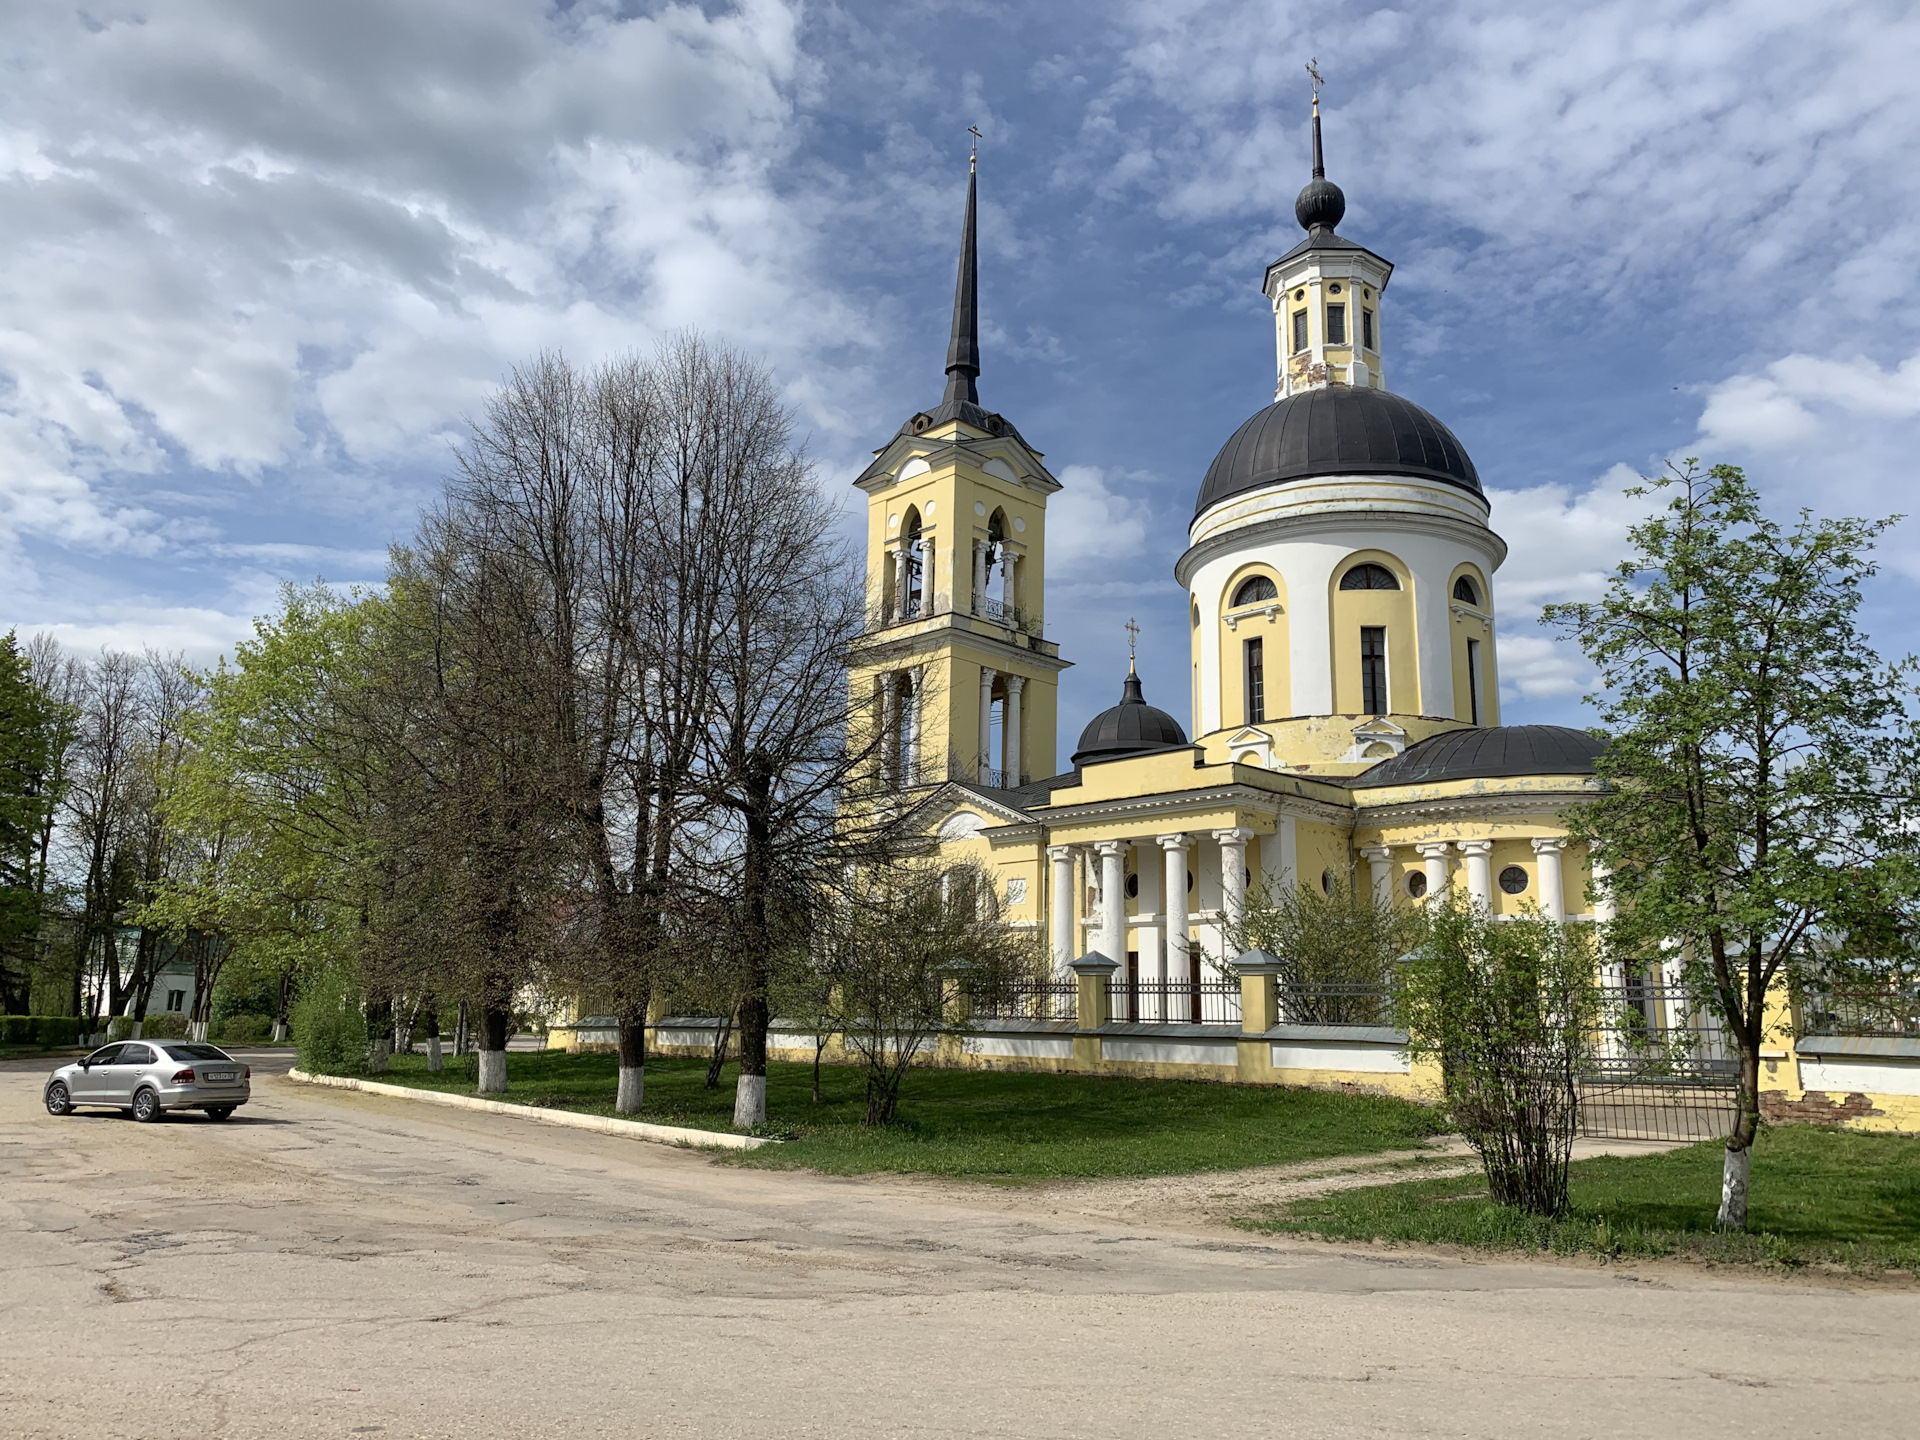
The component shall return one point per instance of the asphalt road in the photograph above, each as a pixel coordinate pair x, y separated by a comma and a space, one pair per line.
331, 1264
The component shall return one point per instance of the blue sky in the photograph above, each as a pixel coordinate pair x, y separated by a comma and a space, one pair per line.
260, 261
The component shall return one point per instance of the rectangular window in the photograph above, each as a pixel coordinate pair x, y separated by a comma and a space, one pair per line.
1373, 669
176, 999
1256, 681
1336, 324
1366, 329
1473, 680
1299, 331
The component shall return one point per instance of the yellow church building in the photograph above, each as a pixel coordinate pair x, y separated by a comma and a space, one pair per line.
1343, 686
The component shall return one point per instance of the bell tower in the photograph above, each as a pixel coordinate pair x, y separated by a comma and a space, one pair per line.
953, 661
1326, 293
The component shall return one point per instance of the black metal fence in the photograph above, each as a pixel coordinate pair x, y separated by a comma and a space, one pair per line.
1887, 1008
1662, 1068
1336, 1005
1028, 1000
1174, 1002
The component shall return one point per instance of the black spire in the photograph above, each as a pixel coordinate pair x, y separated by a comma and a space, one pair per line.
1321, 204
963, 350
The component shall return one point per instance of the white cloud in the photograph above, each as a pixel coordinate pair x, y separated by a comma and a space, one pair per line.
282, 249
1562, 545
1091, 527
1798, 398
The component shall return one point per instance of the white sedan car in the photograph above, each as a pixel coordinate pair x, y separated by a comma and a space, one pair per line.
147, 1078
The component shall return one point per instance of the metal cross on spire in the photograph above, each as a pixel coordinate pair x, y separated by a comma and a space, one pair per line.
973, 160
1313, 69
1133, 636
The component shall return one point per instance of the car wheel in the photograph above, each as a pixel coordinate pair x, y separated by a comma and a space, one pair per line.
59, 1101
146, 1107
219, 1112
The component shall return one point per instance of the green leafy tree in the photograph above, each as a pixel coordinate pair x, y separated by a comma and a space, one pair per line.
1761, 768
1510, 1010
27, 760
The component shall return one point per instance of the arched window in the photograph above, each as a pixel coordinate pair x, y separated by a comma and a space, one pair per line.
1466, 591
1254, 589
1369, 577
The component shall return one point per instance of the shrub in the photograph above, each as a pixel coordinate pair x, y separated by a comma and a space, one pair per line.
1510, 1010
57, 1029
119, 1027
243, 1029
329, 1027
163, 1025
17, 1029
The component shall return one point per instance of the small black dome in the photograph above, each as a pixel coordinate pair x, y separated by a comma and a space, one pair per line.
1320, 203
1488, 754
1132, 727
1338, 430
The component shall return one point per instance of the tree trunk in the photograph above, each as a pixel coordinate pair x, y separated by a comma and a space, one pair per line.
460, 1030
1738, 1165
750, 1089
379, 1035
280, 1011
430, 1012
633, 1060
819, 1049
720, 1043
495, 1022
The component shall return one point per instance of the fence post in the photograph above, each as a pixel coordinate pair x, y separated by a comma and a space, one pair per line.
1092, 1006
1259, 991
1259, 1013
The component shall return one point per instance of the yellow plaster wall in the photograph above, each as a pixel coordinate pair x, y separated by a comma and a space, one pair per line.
1470, 627
1249, 623
1393, 609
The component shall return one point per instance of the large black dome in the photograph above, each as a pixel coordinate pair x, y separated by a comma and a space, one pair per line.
1488, 754
1132, 727
1337, 430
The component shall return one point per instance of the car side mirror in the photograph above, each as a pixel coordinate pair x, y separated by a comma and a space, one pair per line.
86, 1063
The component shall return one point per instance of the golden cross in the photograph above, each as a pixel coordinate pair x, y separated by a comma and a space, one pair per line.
974, 159
1133, 634
1313, 69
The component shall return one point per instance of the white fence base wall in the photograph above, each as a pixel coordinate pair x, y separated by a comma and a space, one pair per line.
1171, 1052
1365, 1059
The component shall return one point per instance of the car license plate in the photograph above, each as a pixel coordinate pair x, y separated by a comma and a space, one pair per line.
223, 1075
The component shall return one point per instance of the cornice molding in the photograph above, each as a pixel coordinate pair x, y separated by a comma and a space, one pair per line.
1283, 527
1472, 807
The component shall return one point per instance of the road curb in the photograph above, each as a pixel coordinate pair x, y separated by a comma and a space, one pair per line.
606, 1125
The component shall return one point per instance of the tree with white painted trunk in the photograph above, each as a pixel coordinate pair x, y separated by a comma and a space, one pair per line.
1761, 804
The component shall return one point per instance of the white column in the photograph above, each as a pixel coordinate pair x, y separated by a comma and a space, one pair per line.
1553, 895
890, 724
1601, 902
1063, 947
1381, 859
1233, 877
979, 575
1113, 900
1007, 592
1479, 870
915, 716
899, 548
986, 723
1435, 854
1147, 938
1283, 863
1010, 730
1175, 905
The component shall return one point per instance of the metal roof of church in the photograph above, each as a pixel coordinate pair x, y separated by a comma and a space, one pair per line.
1486, 754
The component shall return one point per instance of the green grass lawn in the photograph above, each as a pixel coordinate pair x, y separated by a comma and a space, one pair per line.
977, 1123
1819, 1197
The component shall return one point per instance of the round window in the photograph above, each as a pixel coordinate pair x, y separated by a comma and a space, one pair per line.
1133, 887
1513, 880
1326, 881
1335, 289
1417, 884
1299, 294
